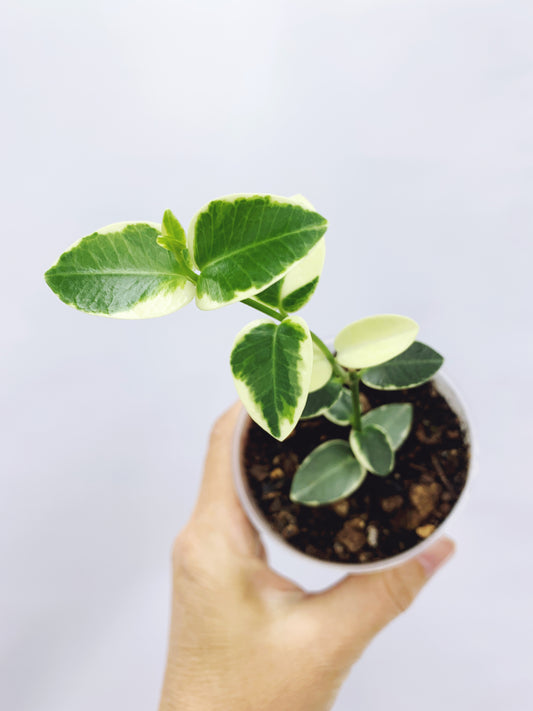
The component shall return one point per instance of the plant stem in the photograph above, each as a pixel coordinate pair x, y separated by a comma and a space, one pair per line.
188, 273
186, 270
318, 342
354, 387
263, 308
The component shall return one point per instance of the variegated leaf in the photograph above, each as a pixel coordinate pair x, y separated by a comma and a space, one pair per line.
328, 474
244, 243
121, 271
413, 367
395, 418
374, 340
373, 449
322, 369
296, 288
341, 412
271, 365
321, 400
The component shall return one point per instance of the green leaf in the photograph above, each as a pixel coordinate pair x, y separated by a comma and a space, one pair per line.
244, 243
395, 418
272, 295
328, 474
271, 365
296, 288
121, 271
341, 412
374, 340
174, 239
372, 448
321, 400
172, 233
415, 366
299, 297
322, 369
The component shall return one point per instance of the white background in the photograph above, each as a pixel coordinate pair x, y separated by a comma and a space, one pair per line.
408, 125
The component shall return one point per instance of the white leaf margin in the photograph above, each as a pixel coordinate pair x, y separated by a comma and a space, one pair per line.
304, 371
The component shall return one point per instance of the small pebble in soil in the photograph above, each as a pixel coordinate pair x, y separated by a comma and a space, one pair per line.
290, 530
259, 471
341, 508
277, 473
391, 503
432, 438
414, 519
424, 497
338, 548
372, 535
425, 531
351, 536
275, 505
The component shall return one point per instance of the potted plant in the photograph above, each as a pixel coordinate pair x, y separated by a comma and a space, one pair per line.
353, 455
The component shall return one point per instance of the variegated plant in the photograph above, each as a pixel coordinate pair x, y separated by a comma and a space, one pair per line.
267, 252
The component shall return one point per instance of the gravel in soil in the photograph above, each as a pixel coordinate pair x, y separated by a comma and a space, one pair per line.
386, 515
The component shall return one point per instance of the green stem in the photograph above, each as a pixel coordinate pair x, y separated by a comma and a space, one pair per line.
263, 308
354, 387
187, 272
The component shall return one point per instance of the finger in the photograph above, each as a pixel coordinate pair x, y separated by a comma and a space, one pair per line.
359, 606
218, 505
217, 482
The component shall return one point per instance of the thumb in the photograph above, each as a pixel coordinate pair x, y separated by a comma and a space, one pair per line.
359, 606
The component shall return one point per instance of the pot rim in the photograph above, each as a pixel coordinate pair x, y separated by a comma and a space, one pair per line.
457, 404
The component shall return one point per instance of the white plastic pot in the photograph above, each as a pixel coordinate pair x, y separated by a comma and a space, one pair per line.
446, 389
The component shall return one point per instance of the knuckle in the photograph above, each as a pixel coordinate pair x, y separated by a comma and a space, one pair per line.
196, 553
185, 549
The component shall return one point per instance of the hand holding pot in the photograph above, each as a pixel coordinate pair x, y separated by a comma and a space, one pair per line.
244, 637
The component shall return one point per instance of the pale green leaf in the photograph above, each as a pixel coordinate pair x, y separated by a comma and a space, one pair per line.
374, 340
321, 400
271, 365
121, 271
413, 367
395, 418
172, 233
328, 474
341, 412
174, 239
373, 449
322, 369
244, 243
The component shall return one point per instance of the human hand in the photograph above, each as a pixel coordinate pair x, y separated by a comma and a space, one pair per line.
244, 638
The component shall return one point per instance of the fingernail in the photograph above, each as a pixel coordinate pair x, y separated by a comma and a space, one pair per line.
436, 555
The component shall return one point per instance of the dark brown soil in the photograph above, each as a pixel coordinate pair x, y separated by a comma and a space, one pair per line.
386, 515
